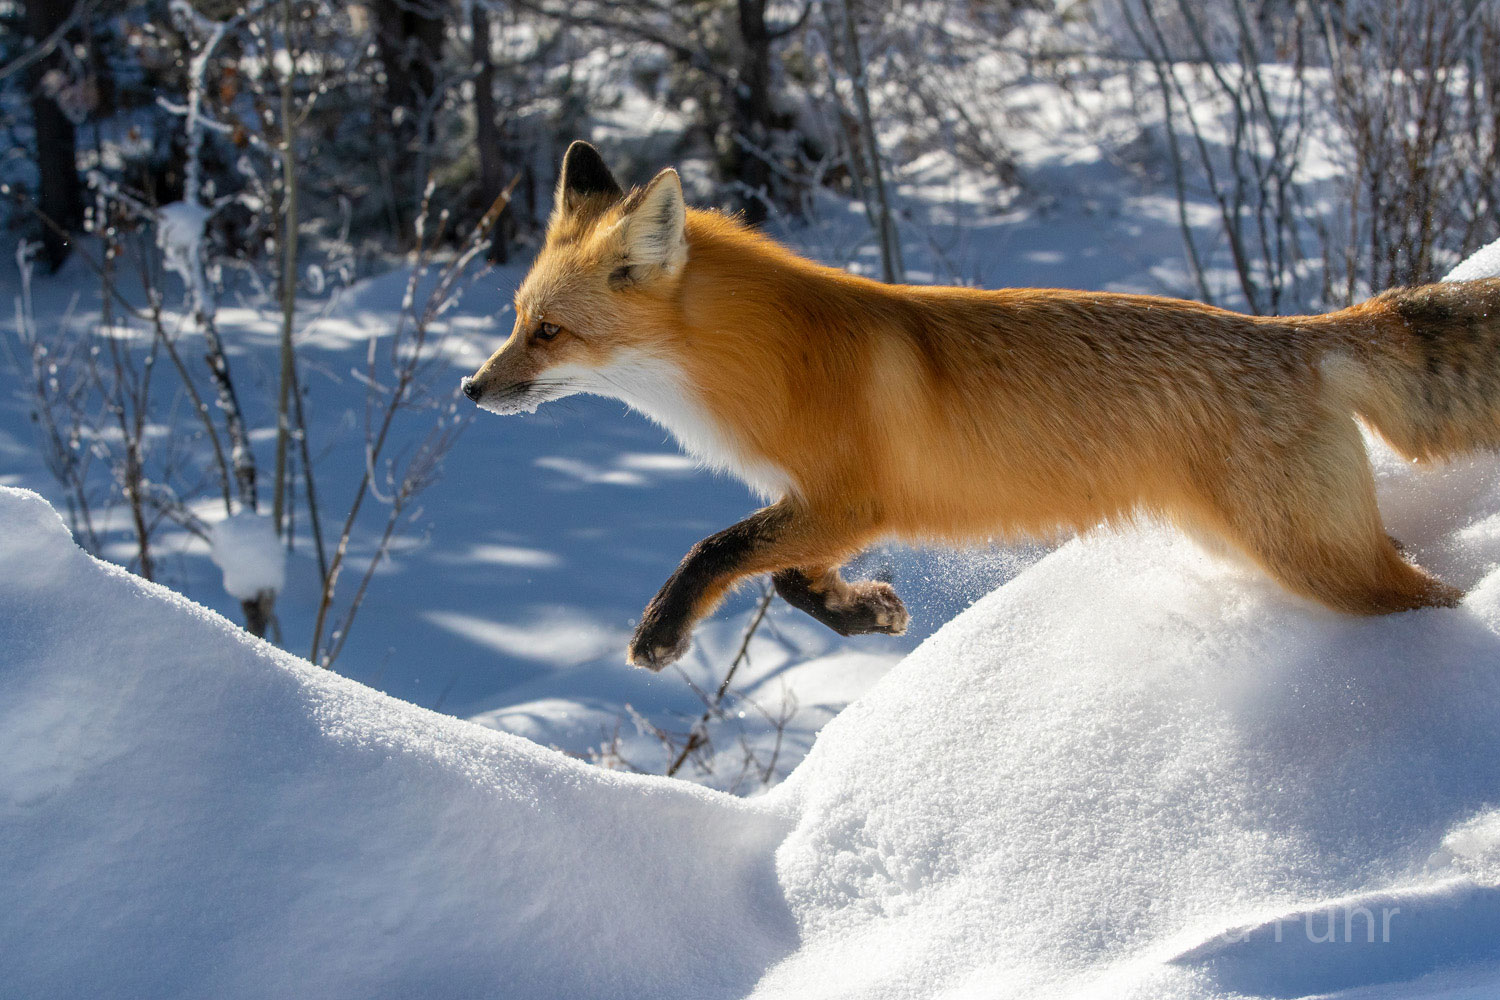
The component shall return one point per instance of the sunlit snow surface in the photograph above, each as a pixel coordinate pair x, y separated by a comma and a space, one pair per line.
188, 812
1136, 770
1482, 263
1140, 771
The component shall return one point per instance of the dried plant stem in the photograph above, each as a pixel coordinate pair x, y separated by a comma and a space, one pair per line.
407, 354
698, 735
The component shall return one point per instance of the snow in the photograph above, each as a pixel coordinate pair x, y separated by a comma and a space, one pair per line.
1135, 748
1134, 771
186, 811
1482, 263
245, 547
180, 228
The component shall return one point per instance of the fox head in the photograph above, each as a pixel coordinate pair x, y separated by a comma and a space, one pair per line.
589, 313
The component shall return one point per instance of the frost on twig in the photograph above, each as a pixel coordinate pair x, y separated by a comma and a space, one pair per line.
245, 548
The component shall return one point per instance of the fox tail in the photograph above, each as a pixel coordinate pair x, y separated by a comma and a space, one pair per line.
1422, 366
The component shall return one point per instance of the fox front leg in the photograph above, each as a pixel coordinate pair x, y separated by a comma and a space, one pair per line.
708, 571
771, 540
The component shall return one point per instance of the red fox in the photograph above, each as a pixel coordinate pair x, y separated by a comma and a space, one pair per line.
863, 411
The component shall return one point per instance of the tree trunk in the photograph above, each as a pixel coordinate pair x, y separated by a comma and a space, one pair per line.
258, 613
892, 268
409, 42
60, 195
487, 133
753, 116
408, 39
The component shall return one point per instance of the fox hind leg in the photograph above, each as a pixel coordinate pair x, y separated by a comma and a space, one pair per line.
847, 608
1313, 524
1371, 579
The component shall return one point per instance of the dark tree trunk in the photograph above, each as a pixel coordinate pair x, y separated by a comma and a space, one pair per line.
753, 116
98, 39
409, 42
59, 194
258, 613
487, 133
408, 38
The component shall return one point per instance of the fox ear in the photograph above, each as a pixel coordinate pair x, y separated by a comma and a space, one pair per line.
584, 176
653, 229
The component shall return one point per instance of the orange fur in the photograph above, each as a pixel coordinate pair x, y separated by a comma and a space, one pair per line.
932, 413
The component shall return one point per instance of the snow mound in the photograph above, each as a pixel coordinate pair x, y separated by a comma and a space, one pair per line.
1483, 263
245, 548
189, 812
180, 227
1120, 774
1373, 939
1136, 771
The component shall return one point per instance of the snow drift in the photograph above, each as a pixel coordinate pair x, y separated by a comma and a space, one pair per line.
1136, 770
186, 811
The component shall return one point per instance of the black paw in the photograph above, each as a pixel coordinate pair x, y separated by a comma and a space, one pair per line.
654, 646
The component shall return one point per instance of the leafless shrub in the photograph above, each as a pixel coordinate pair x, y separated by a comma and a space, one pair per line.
849, 74
1414, 87
1400, 95
63, 406
392, 390
944, 69
701, 747
98, 394
1232, 117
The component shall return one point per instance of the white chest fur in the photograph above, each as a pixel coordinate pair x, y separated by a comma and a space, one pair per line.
659, 389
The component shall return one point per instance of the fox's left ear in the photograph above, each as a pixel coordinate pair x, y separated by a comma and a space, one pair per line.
584, 177
653, 230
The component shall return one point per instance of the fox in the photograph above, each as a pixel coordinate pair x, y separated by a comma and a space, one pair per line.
864, 412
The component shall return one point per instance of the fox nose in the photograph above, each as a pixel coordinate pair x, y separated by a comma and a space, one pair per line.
470, 387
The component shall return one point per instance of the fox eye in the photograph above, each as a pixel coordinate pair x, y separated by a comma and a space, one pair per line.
547, 331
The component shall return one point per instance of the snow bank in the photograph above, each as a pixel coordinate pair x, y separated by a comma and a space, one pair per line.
1136, 771
188, 812
1483, 263
1140, 771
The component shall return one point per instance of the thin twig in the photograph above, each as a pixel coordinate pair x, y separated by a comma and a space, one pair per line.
697, 736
